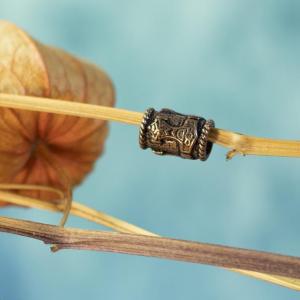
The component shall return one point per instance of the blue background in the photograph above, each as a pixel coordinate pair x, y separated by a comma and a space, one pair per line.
234, 61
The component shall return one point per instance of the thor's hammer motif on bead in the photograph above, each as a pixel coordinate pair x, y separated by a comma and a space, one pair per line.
169, 132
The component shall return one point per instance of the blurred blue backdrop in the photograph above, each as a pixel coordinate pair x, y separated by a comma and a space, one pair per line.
235, 61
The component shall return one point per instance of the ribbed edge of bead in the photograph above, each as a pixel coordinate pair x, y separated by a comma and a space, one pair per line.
143, 128
203, 149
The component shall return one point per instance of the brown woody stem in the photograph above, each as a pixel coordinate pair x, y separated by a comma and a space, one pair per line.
117, 224
222, 256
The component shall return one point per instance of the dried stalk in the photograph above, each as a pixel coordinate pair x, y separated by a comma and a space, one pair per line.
70, 108
238, 143
77, 209
250, 145
116, 224
217, 255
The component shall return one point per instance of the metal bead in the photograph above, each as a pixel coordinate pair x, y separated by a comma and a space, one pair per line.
168, 132
205, 146
143, 126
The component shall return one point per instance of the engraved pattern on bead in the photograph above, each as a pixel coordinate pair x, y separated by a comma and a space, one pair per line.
172, 133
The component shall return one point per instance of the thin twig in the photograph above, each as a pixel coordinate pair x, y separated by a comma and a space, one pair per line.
236, 142
90, 214
180, 250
